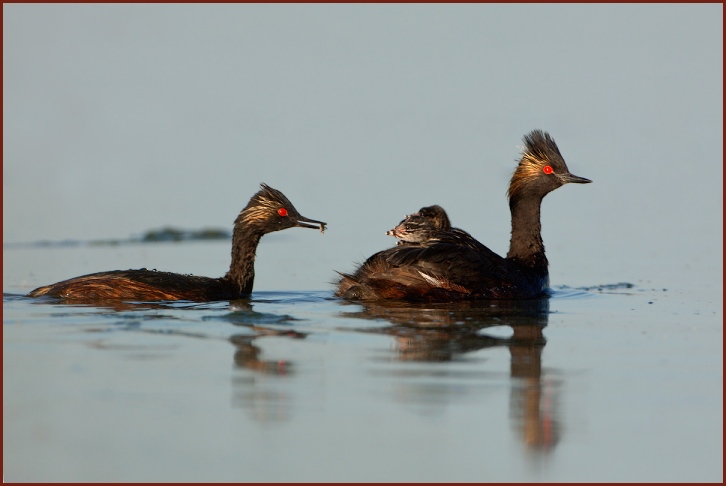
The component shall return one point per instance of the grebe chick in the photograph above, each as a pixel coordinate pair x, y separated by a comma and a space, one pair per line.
267, 211
436, 215
431, 224
417, 228
444, 271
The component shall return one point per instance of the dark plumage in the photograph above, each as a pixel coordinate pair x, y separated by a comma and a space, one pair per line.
430, 225
268, 210
422, 226
415, 230
452, 265
436, 215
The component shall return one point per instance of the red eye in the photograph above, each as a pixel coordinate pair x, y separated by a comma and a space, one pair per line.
282, 212
547, 169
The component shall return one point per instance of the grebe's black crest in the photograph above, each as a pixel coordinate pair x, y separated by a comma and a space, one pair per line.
540, 151
450, 265
268, 210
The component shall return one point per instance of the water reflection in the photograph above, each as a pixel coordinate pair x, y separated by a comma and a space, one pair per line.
423, 337
446, 332
247, 355
264, 399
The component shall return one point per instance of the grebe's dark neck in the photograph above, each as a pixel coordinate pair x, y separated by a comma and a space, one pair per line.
245, 239
526, 246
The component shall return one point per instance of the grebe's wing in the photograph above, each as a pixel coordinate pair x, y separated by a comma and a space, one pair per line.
439, 271
136, 285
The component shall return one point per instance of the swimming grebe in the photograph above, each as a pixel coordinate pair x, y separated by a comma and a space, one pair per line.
268, 210
448, 271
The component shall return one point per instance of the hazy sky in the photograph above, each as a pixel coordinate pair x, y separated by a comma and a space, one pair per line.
122, 118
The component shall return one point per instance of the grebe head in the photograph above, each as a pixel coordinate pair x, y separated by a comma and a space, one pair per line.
414, 229
269, 210
436, 215
541, 168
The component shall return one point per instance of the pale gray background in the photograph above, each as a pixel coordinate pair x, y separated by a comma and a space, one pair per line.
123, 118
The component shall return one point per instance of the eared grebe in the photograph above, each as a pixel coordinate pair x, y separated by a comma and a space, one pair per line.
446, 269
268, 210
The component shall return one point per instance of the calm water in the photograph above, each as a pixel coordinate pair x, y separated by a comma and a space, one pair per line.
613, 381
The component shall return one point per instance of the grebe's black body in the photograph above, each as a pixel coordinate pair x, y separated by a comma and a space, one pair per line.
268, 210
447, 266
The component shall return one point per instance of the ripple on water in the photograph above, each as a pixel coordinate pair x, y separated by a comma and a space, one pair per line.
567, 292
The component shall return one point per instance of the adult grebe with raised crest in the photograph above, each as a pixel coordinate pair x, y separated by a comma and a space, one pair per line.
446, 270
268, 210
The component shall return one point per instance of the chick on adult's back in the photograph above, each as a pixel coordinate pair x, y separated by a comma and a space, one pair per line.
423, 226
446, 270
431, 225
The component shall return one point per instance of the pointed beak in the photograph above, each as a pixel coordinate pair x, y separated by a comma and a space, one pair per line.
304, 222
571, 178
397, 231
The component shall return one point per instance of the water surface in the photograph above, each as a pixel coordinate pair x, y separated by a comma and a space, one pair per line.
616, 381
